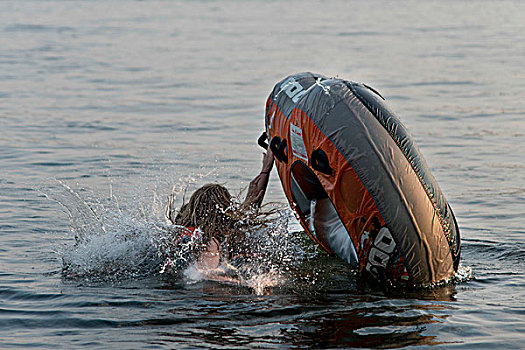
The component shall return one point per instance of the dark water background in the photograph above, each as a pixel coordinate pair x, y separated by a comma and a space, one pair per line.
112, 104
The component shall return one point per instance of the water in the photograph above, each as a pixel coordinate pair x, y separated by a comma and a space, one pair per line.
122, 100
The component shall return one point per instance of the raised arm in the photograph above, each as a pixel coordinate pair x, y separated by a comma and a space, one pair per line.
258, 185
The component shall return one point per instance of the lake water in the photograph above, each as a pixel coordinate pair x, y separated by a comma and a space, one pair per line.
108, 106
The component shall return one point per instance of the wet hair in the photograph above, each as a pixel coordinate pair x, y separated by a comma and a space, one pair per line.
218, 215
210, 208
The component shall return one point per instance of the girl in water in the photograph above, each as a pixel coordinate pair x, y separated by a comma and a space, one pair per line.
216, 223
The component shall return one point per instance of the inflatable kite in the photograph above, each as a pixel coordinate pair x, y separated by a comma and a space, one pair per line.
358, 182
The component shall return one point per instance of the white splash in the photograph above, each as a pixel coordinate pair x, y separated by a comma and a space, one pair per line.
261, 283
118, 239
463, 274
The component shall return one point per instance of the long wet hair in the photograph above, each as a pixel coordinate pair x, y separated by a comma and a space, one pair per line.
216, 213
219, 215
210, 209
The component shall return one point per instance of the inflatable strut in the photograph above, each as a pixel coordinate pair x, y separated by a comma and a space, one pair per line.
358, 182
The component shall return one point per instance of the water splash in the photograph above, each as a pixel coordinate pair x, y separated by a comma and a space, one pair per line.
112, 256
463, 274
115, 240
274, 252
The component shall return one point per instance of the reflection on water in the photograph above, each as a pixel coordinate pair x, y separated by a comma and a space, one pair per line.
350, 318
370, 324
363, 317
322, 305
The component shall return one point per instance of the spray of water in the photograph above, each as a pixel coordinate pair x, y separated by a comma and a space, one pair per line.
463, 274
124, 238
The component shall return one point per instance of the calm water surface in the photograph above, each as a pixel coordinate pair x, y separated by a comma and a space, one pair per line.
106, 106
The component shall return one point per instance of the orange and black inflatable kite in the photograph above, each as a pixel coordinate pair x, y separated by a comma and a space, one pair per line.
358, 182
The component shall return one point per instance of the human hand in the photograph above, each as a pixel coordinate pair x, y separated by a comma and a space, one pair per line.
268, 161
256, 190
257, 187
